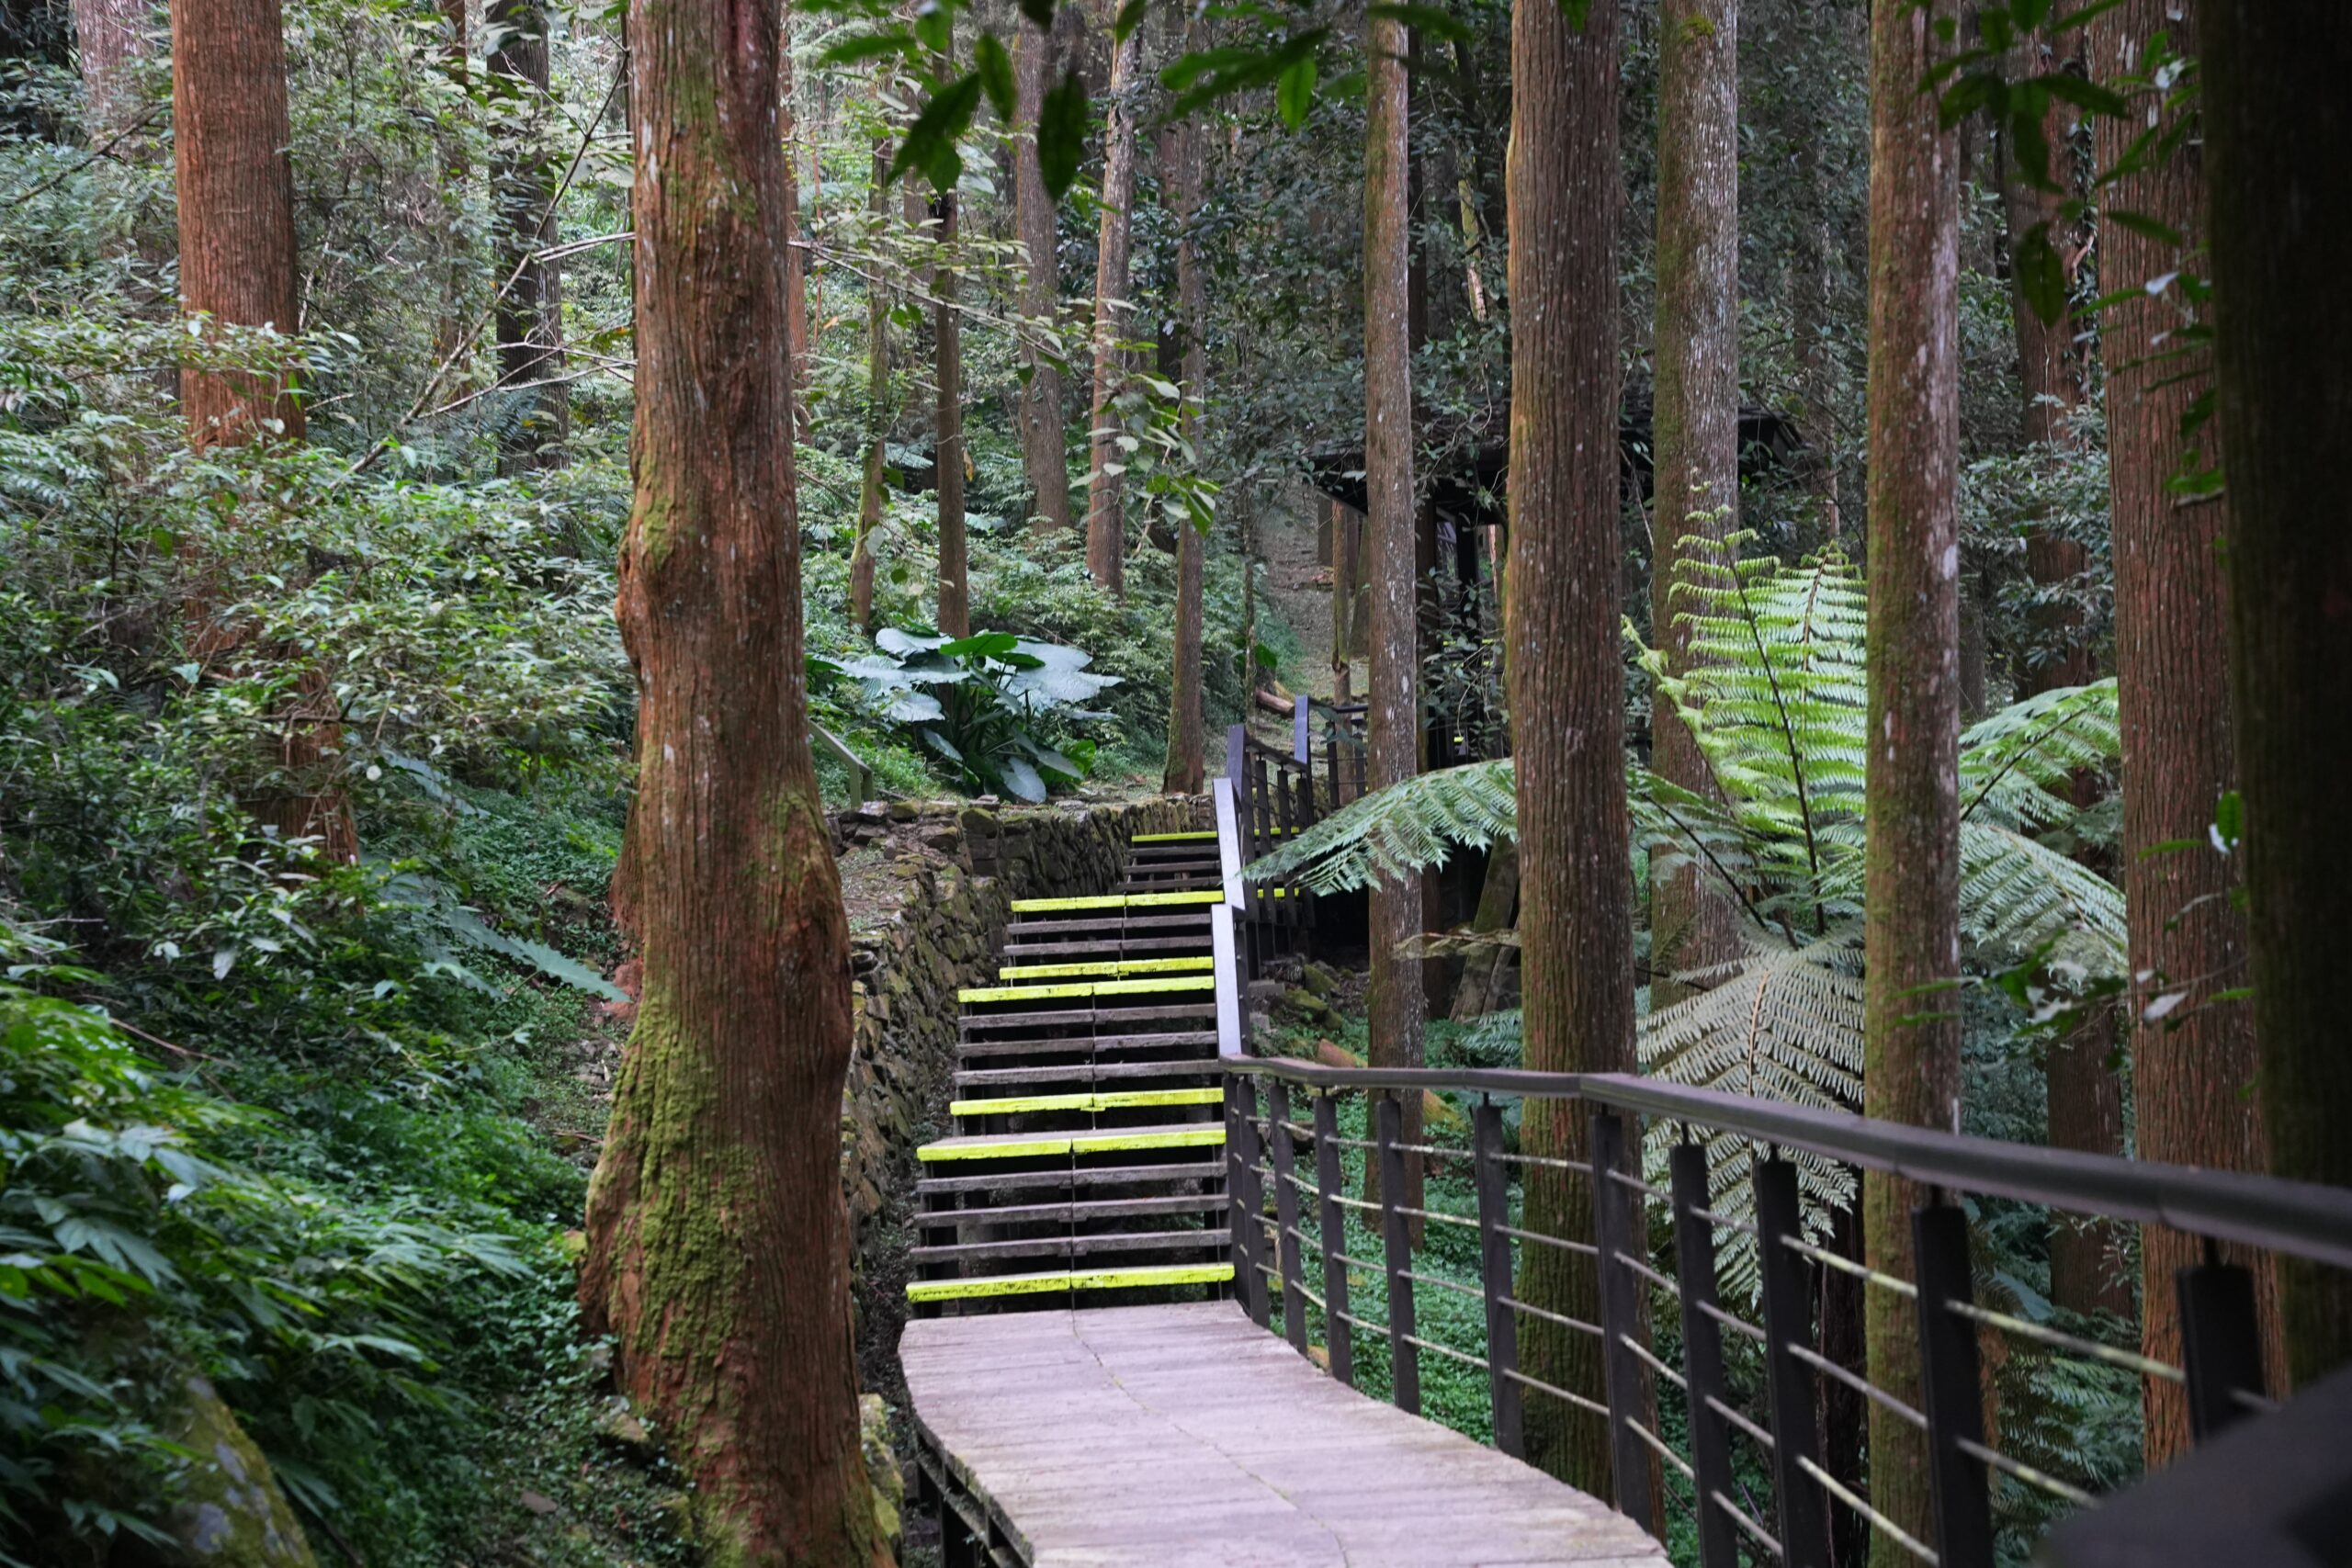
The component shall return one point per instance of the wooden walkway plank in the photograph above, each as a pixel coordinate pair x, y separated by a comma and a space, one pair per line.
1186, 1435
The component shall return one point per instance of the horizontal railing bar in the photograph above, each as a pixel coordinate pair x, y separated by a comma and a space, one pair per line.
1762, 1436
2255, 1402
1462, 1356
2091, 1349
1547, 1162
1737, 1325
1310, 1296
1652, 1275
1563, 1242
1893, 1531
1268, 1270
1306, 1187
2024, 1472
1426, 1149
1445, 1219
1902, 1287
1861, 1385
1459, 1290
1368, 1208
1668, 1454
1748, 1525
1353, 1143
1540, 1386
1347, 1317
1622, 1179
2300, 1217
1300, 1130
1660, 1367
1357, 1262
1548, 1315
1726, 1221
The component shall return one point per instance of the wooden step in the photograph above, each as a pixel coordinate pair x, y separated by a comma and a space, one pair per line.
1089, 1101
1194, 836
1117, 947
1075, 1210
1107, 968
1115, 901
1066, 1245
1082, 1140
1060, 1282
1162, 1041
1128, 925
1082, 1176
1088, 1072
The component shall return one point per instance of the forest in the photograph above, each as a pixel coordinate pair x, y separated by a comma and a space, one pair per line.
1824, 502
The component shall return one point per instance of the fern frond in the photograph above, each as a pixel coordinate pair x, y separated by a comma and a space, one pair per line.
2020, 764
1400, 832
2017, 894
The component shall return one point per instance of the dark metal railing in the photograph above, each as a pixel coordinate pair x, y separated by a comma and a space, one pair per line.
1274, 801
1654, 1254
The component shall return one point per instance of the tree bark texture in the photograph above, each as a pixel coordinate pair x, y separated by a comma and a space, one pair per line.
1911, 896
794, 260
110, 38
236, 205
1106, 534
530, 313
1695, 423
1186, 769
1347, 535
955, 582
1043, 452
1566, 672
2276, 125
718, 1248
2193, 1067
871, 499
1393, 723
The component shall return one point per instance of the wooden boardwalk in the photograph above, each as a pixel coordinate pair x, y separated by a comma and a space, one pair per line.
1186, 1435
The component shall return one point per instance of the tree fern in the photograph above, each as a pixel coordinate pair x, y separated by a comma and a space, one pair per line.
1398, 831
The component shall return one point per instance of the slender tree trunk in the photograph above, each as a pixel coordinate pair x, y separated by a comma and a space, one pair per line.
1043, 453
1186, 769
110, 38
1568, 696
530, 314
717, 1240
795, 261
870, 497
456, 171
1393, 722
1345, 572
1484, 970
955, 584
1106, 535
1695, 422
2276, 124
1911, 898
2193, 1068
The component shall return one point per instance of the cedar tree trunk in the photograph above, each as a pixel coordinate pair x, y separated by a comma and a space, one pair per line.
1043, 453
530, 313
718, 1252
870, 497
1186, 769
955, 585
1106, 535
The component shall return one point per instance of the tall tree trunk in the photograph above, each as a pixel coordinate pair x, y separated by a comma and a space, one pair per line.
1106, 535
530, 313
717, 1240
1042, 454
1695, 422
870, 497
1186, 769
1346, 570
110, 38
1568, 696
1911, 896
795, 260
1393, 688
456, 171
955, 584
2276, 124
2192, 1069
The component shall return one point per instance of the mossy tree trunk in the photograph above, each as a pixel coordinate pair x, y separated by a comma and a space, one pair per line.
717, 1239
947, 345
1393, 723
871, 498
530, 313
1695, 422
2193, 1066
1911, 898
1106, 534
2276, 123
1186, 769
1567, 694
1043, 455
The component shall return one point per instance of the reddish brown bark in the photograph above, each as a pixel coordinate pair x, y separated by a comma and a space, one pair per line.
1186, 768
1694, 423
795, 261
2192, 1070
530, 313
1393, 743
717, 1240
1106, 534
110, 38
955, 584
1911, 898
2276, 126
870, 497
1043, 452
1565, 669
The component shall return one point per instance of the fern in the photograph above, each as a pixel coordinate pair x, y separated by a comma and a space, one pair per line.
1400, 831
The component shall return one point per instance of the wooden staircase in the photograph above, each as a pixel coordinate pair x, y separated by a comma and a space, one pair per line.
1089, 1151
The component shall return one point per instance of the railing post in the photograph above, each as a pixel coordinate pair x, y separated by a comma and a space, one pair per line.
1702, 1356
1286, 1218
1248, 1198
1954, 1394
1493, 1183
1788, 1321
2221, 1344
1404, 1357
1330, 1174
1616, 1228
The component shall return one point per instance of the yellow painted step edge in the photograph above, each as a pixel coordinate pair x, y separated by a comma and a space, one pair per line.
1108, 968
1190, 895
1204, 1135
1081, 989
1121, 1099
1119, 901
1195, 837
1077, 1279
